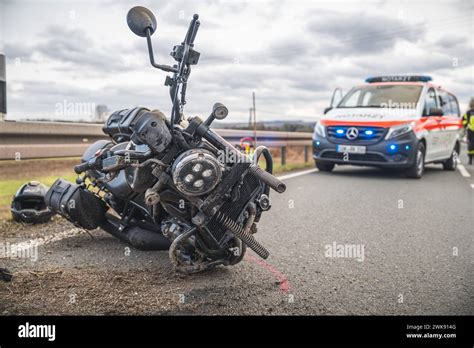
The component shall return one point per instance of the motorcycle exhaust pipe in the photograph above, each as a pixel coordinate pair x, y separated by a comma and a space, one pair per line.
135, 236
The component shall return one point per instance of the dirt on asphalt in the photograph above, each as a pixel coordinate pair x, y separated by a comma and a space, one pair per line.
89, 274
139, 292
10, 229
81, 292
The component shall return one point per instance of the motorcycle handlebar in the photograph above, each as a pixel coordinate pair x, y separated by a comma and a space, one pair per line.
81, 168
192, 30
133, 154
269, 179
96, 163
196, 28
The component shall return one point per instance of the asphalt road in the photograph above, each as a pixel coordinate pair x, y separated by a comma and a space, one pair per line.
417, 239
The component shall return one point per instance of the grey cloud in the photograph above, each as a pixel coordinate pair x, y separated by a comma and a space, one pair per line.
16, 51
440, 57
406, 65
454, 47
310, 83
297, 67
180, 12
288, 50
362, 32
44, 96
463, 5
451, 41
76, 47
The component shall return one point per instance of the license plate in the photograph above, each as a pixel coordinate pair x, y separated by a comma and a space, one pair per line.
351, 149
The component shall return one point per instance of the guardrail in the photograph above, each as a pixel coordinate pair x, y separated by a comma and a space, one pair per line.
27, 140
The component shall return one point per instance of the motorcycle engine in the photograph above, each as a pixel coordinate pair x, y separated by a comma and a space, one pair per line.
192, 188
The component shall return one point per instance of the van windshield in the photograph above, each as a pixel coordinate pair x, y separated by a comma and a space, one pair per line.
382, 96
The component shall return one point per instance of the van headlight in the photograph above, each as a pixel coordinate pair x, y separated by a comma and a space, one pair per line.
320, 130
399, 130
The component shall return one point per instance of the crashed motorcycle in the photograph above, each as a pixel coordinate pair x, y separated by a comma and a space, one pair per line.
170, 184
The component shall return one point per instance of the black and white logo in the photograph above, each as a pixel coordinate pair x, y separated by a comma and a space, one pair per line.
352, 133
37, 331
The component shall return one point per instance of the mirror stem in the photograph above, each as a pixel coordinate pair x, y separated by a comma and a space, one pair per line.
166, 68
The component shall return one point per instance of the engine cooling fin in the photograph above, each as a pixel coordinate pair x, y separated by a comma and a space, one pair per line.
232, 209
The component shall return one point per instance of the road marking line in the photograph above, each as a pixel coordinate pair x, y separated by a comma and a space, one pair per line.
36, 242
463, 171
294, 175
472, 186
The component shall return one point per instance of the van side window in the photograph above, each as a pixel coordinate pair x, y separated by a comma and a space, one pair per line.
454, 105
444, 103
430, 101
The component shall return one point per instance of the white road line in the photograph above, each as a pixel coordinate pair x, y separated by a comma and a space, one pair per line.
36, 242
294, 175
472, 186
463, 171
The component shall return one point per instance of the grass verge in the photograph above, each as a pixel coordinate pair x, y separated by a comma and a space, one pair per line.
278, 168
9, 187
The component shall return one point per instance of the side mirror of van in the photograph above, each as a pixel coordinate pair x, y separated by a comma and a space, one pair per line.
436, 112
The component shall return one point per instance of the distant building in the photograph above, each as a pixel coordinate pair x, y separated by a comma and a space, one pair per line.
101, 113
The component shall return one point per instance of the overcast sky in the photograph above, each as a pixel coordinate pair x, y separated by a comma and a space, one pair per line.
291, 53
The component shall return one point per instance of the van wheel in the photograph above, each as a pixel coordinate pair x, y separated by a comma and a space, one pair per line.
418, 168
452, 162
324, 166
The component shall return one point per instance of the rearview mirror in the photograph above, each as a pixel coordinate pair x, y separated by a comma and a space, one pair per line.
436, 112
220, 111
140, 19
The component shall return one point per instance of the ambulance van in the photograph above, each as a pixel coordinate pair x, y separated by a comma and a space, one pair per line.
399, 122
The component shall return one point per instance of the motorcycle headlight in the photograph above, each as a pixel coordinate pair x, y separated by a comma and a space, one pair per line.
320, 130
397, 131
196, 172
